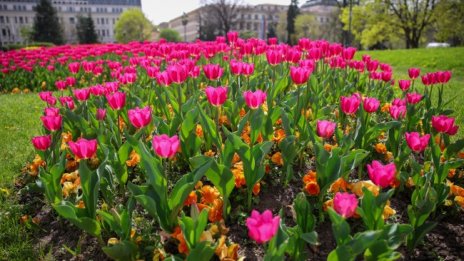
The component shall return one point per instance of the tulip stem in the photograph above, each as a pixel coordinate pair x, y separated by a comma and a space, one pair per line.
219, 149
179, 90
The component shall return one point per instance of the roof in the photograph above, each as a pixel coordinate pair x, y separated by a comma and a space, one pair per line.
310, 3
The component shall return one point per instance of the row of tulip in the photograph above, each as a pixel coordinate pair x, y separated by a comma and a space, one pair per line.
191, 133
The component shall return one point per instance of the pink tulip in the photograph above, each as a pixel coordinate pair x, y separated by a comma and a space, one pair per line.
51, 111
70, 81
404, 84
60, 85
83, 149
216, 96
152, 71
248, 69
413, 73
213, 71
177, 73
272, 40
165, 146
97, 90
413, 98
82, 94
300, 75
262, 227
371, 105
116, 100
52, 123
232, 37
382, 175
399, 102
372, 65
254, 99
163, 79
416, 142
235, 67
274, 57
345, 204
350, 104
101, 114
315, 54
386, 76
444, 124
325, 129
443, 77
74, 67
42, 142
397, 112
348, 53
45, 95
139, 117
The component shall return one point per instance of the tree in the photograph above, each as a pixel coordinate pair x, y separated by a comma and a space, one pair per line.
133, 26
413, 17
223, 14
306, 26
170, 35
271, 30
372, 25
282, 27
26, 33
86, 30
46, 24
449, 22
292, 13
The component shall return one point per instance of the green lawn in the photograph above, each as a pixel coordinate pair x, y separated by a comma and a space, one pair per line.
430, 60
19, 121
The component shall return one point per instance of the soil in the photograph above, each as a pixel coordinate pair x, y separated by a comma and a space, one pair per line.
444, 242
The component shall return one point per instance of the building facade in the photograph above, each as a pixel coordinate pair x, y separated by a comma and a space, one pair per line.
257, 20
252, 20
17, 16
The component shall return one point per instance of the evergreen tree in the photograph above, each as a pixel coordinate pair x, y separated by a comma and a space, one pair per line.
86, 30
271, 31
46, 24
292, 13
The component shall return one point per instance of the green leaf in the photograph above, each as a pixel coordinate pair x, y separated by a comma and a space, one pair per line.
90, 182
203, 251
310, 238
341, 229
124, 250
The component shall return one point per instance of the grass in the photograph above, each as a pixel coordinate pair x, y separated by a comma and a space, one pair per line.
19, 121
430, 60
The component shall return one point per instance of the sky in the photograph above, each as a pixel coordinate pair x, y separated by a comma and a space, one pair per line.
164, 10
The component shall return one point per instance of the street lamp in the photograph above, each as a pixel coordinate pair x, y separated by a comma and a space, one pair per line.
184, 23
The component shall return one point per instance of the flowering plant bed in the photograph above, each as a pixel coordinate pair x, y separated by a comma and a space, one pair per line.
211, 150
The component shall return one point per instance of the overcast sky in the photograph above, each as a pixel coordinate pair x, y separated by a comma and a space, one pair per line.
164, 10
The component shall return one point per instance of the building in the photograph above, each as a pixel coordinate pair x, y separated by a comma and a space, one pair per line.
322, 10
18, 15
252, 20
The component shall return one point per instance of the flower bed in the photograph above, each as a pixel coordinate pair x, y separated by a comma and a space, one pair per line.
159, 149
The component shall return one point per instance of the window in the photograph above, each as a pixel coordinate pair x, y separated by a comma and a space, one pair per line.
21, 20
27, 20
71, 20
104, 32
2, 19
114, 21
107, 21
3, 32
16, 20
7, 20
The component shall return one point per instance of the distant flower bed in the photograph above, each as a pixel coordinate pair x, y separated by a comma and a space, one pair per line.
186, 137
